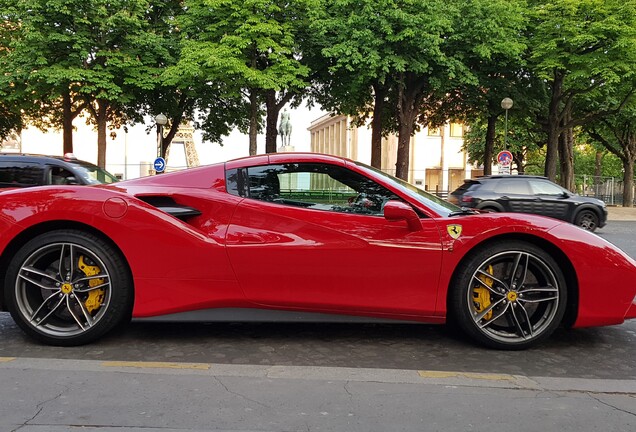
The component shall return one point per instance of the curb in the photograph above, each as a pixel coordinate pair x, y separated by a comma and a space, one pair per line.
389, 376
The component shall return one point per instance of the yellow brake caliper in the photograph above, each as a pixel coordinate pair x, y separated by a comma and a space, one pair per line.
95, 297
481, 295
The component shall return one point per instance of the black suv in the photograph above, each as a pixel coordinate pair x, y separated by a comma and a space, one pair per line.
530, 194
24, 170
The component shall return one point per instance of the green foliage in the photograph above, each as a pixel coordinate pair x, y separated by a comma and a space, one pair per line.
585, 157
243, 46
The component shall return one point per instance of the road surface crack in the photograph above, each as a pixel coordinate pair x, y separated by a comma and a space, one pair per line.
240, 395
610, 405
40, 407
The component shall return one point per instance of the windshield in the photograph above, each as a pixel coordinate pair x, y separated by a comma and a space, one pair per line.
429, 200
92, 173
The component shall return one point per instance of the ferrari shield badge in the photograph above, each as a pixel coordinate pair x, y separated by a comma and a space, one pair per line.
454, 230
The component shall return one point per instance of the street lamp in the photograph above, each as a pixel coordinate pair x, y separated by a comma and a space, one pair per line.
506, 104
161, 121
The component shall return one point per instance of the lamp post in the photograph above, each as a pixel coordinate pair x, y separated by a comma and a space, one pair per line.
161, 121
506, 104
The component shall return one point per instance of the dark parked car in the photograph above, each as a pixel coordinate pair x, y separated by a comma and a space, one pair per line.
25, 170
530, 194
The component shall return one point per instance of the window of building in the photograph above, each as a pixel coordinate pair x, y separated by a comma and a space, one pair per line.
433, 180
455, 178
456, 130
434, 131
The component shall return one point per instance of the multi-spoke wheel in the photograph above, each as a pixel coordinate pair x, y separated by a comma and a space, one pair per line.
68, 287
587, 219
509, 295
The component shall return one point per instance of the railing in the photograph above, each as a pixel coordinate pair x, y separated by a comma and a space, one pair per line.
608, 189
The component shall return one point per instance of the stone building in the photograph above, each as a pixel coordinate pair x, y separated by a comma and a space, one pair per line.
437, 162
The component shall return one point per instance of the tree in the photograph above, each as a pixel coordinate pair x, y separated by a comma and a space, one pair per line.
34, 63
577, 47
252, 47
412, 53
80, 55
618, 135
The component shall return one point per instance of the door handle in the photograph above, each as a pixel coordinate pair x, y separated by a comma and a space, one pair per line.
244, 238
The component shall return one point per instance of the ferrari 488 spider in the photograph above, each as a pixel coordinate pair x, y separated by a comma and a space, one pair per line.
296, 236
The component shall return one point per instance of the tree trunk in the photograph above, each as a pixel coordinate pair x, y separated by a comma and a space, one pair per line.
403, 151
519, 159
102, 111
376, 127
253, 133
598, 166
566, 152
409, 98
67, 122
167, 138
628, 182
490, 144
566, 159
554, 128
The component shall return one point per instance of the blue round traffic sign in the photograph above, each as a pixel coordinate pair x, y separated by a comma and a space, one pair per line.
160, 164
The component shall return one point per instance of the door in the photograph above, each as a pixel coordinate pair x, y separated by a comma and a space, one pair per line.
552, 199
515, 196
313, 236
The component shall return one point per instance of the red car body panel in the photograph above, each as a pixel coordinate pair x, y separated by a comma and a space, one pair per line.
241, 252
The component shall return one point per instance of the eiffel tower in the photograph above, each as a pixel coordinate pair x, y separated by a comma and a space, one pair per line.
185, 136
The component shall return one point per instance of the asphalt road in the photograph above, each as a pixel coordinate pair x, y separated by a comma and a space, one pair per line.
320, 377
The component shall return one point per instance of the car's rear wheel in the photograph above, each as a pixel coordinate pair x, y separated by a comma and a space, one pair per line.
68, 287
508, 295
587, 219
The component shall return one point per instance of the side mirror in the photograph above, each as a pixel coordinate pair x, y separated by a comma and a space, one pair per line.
398, 211
71, 180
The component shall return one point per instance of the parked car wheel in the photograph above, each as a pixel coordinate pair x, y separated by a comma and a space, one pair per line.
587, 219
509, 295
68, 287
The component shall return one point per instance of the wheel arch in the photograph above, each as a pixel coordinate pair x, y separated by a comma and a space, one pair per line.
584, 207
41, 228
490, 204
561, 258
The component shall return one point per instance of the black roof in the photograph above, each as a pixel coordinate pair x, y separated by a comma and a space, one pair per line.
515, 176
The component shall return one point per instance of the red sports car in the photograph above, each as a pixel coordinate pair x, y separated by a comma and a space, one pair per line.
297, 236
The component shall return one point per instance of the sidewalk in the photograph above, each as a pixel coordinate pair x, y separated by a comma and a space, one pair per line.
621, 213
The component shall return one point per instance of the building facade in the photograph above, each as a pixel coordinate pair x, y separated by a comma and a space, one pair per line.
437, 161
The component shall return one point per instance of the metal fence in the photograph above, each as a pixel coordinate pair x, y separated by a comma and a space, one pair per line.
608, 189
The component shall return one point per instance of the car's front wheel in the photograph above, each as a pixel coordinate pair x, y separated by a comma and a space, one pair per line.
508, 295
68, 287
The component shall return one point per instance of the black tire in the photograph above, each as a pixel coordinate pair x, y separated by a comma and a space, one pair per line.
68, 287
490, 209
508, 295
587, 219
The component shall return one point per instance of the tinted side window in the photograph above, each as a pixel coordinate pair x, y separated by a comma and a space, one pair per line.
471, 184
236, 182
512, 187
61, 176
318, 187
542, 187
20, 174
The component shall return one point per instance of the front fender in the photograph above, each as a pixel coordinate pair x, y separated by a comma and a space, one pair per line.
174, 264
